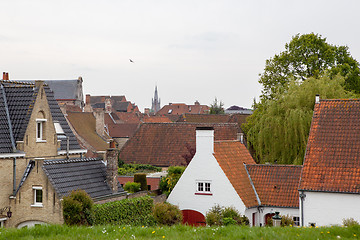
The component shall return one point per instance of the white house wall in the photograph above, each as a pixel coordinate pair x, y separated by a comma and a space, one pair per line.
262, 211
204, 167
326, 209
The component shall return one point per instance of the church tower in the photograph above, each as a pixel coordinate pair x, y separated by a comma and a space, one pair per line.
155, 106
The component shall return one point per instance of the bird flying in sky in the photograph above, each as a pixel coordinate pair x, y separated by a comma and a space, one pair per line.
131, 61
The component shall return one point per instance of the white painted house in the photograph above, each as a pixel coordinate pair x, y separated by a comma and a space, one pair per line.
224, 173
330, 181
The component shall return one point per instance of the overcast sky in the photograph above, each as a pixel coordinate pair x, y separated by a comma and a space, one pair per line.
191, 49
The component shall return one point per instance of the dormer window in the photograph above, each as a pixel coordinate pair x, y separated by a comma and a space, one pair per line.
58, 128
170, 111
40, 129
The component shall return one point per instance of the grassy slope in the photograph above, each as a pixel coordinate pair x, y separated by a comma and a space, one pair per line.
178, 232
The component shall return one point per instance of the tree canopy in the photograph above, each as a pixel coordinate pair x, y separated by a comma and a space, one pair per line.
278, 129
308, 55
217, 107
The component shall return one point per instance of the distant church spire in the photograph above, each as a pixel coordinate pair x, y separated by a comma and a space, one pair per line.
155, 106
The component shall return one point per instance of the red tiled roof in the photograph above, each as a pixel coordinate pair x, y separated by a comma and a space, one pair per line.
332, 159
122, 130
276, 185
122, 117
156, 119
206, 118
163, 144
231, 156
181, 108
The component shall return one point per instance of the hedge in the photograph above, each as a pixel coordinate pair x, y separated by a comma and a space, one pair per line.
135, 212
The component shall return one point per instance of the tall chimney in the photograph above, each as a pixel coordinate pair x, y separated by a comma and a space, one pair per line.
100, 122
204, 140
87, 99
112, 154
7, 76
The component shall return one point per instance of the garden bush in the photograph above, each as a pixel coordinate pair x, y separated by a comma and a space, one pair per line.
286, 220
77, 208
167, 214
130, 169
350, 222
218, 216
141, 178
135, 212
132, 187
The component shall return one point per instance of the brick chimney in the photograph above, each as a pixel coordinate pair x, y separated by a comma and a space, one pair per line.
112, 154
87, 99
5, 76
100, 122
204, 140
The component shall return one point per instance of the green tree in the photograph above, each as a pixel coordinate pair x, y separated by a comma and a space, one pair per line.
77, 208
217, 107
278, 129
168, 183
308, 55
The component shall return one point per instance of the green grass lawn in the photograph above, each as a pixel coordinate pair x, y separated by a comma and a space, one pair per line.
178, 232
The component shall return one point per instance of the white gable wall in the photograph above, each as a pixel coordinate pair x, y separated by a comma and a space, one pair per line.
326, 209
204, 167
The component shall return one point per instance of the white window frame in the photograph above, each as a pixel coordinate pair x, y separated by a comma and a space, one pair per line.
40, 124
296, 220
205, 188
35, 189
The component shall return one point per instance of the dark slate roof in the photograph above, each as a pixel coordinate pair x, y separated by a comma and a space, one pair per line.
87, 174
6, 145
98, 105
121, 106
20, 98
57, 115
64, 89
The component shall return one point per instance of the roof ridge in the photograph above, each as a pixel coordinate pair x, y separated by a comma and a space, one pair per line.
275, 165
341, 99
61, 161
17, 82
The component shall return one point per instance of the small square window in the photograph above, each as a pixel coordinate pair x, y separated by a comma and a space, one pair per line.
203, 188
296, 221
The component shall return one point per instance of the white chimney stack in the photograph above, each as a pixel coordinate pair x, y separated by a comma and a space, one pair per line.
317, 98
204, 140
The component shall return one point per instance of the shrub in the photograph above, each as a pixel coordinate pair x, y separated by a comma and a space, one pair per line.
132, 187
218, 215
130, 169
286, 221
167, 214
168, 183
214, 216
77, 208
229, 221
350, 222
135, 212
141, 178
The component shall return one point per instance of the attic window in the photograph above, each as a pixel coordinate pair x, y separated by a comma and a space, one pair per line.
170, 111
40, 130
203, 188
58, 128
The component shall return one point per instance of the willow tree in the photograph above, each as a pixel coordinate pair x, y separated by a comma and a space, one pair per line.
278, 129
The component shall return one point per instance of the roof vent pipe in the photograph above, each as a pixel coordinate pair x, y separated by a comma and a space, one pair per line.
317, 98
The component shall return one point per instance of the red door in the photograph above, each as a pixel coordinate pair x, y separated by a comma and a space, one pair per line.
268, 217
193, 218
